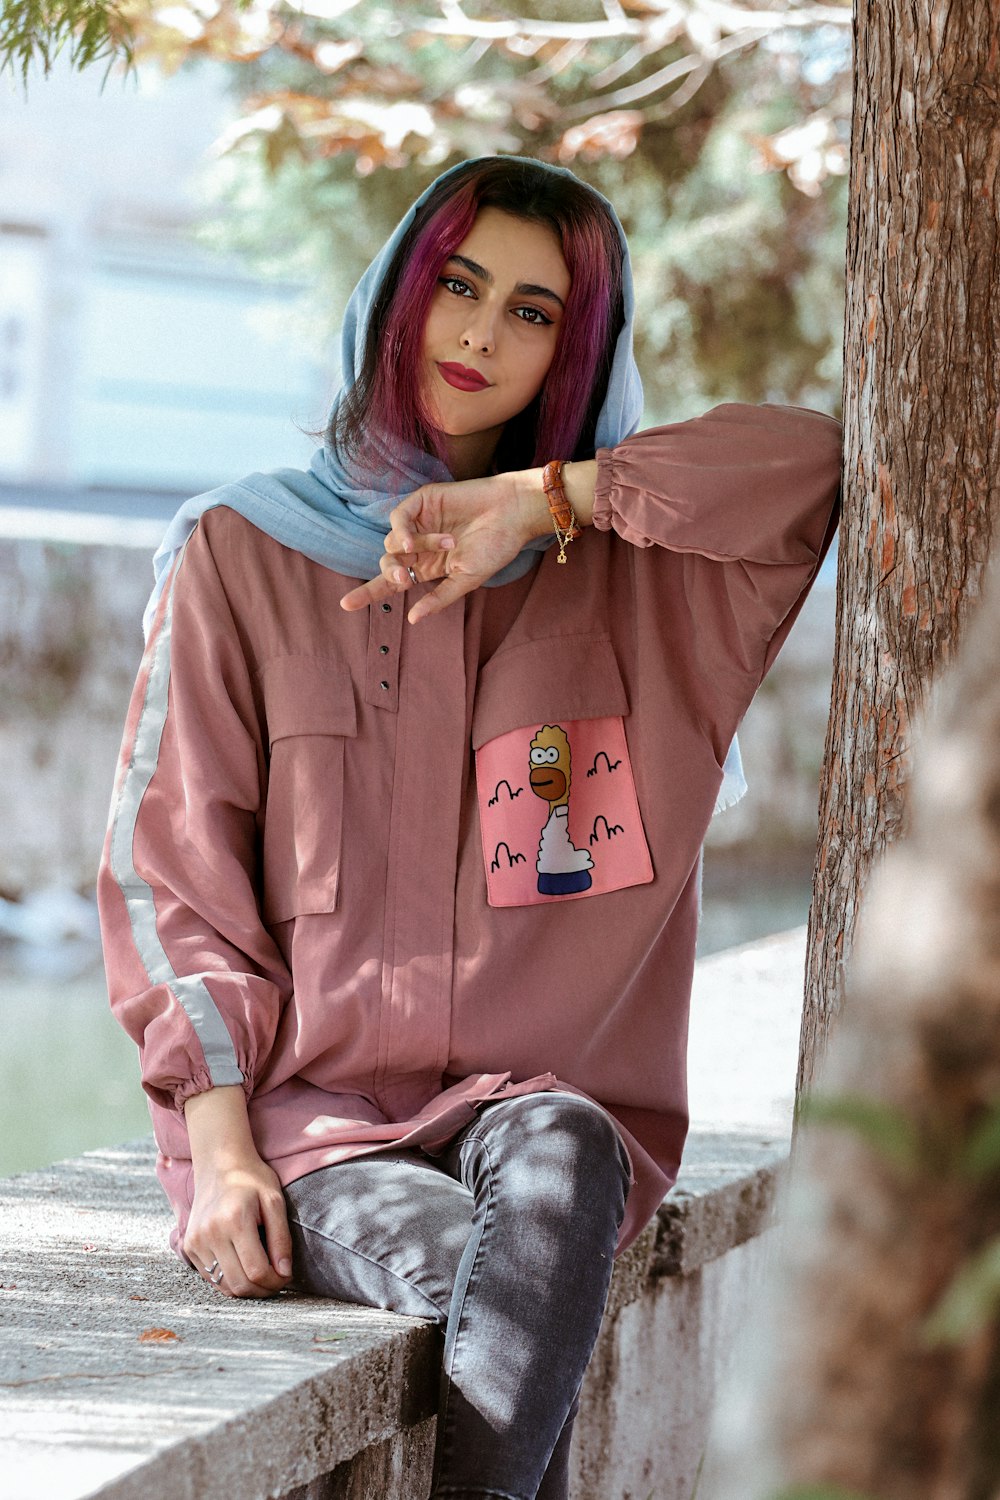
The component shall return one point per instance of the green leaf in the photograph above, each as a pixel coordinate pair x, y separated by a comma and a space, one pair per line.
821, 1492
35, 32
888, 1130
971, 1301
981, 1155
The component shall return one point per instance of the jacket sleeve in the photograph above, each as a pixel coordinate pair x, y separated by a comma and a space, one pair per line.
749, 495
193, 975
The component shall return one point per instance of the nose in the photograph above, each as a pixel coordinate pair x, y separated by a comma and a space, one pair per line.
480, 334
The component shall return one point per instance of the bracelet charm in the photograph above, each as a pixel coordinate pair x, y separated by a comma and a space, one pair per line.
563, 515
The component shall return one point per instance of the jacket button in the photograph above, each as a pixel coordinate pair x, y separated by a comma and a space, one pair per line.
383, 651
386, 608
384, 685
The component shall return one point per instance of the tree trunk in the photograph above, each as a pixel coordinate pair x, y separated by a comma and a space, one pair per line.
922, 427
898, 1193
896, 1198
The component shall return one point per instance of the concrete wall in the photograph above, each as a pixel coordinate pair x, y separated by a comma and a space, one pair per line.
650, 1390
70, 643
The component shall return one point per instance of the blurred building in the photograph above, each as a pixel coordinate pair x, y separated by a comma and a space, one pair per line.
129, 355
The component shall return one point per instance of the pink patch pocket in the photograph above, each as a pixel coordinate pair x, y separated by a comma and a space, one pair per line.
559, 814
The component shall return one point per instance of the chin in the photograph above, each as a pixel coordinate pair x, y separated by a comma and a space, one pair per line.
454, 427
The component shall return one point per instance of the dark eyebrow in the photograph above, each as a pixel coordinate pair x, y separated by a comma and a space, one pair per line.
523, 288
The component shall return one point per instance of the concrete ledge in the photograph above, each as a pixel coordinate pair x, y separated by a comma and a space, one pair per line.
90, 1410
307, 1399
724, 1197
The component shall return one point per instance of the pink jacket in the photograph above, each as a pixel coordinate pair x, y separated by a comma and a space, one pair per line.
379, 873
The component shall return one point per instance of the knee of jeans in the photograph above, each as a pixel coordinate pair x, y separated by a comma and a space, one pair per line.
585, 1132
599, 1137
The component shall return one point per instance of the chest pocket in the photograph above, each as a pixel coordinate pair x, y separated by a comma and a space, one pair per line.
309, 706
558, 811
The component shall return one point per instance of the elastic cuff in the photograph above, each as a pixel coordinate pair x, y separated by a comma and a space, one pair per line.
201, 1083
603, 486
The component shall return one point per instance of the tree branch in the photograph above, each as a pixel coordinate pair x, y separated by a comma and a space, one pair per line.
457, 23
631, 59
564, 58
662, 77
733, 16
454, 22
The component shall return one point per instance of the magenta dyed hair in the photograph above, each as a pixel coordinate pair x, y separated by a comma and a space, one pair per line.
559, 423
396, 407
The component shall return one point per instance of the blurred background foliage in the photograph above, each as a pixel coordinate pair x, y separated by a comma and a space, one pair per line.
733, 196
720, 131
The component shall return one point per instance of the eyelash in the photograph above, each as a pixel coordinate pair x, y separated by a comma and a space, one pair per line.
540, 319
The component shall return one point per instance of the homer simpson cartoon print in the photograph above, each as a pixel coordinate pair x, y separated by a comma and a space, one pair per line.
606, 818
563, 870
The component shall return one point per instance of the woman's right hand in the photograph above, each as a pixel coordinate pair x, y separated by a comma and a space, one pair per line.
236, 1194
230, 1202
462, 533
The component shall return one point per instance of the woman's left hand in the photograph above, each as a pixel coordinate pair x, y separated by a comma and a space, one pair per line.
461, 533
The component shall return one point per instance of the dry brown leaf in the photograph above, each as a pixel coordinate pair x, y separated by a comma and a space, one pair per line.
158, 1336
615, 135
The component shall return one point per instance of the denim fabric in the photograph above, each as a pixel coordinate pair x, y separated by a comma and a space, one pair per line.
506, 1240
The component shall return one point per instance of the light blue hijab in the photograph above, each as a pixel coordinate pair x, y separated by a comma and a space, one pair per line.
338, 515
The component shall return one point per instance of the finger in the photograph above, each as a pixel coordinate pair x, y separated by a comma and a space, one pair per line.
203, 1261
255, 1261
232, 1282
400, 543
397, 571
402, 519
369, 593
235, 1282
446, 593
277, 1235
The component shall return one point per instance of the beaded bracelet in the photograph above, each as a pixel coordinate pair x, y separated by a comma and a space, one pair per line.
563, 515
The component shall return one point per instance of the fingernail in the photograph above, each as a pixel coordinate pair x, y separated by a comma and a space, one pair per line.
284, 1267
447, 542
400, 576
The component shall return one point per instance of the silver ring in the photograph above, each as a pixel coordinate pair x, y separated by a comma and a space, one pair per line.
413, 576
217, 1277
210, 1273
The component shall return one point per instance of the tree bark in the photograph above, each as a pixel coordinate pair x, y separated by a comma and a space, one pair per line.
922, 428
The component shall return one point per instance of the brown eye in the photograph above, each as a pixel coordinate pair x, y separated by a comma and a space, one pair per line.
456, 286
534, 315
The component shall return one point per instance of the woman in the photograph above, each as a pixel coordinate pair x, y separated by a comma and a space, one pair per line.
402, 914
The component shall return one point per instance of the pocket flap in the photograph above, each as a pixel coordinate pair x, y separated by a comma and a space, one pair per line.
308, 695
547, 681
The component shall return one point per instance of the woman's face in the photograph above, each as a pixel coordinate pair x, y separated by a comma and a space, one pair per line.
491, 330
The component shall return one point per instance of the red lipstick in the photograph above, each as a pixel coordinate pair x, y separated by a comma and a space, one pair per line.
461, 378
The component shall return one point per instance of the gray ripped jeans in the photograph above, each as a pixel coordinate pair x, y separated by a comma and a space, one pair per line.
506, 1240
